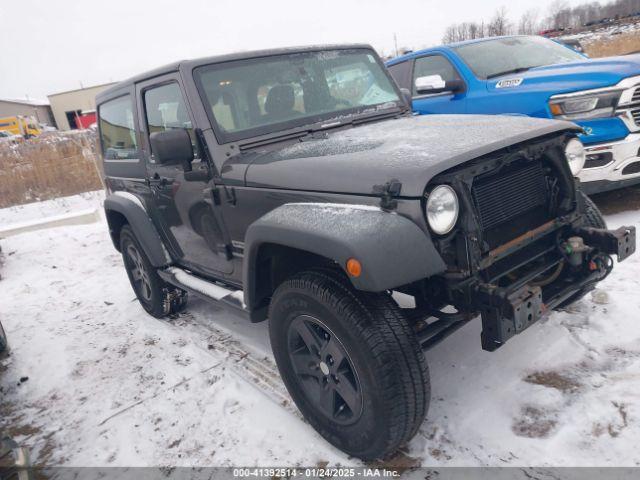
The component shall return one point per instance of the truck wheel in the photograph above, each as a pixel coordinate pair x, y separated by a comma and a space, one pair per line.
156, 296
3, 340
351, 363
592, 213
593, 218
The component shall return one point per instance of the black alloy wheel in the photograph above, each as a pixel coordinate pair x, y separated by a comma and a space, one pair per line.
324, 370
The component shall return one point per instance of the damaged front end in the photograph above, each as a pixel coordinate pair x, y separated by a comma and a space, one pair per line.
522, 245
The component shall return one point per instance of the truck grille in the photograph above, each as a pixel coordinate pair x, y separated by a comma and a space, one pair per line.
636, 95
635, 114
509, 194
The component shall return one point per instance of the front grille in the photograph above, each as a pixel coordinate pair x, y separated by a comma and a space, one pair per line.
636, 95
635, 114
510, 193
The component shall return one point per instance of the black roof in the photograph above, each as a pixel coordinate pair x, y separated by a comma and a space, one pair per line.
190, 64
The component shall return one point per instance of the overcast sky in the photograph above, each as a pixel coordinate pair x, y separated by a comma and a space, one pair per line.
51, 46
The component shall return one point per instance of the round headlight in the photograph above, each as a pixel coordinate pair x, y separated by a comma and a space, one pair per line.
442, 209
576, 156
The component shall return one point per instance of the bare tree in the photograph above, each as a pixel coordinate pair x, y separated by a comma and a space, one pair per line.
558, 12
528, 24
499, 24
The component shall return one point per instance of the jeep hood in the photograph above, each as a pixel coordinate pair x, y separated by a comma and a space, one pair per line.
574, 76
411, 150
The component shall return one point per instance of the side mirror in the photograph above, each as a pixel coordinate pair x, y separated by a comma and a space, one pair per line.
172, 147
436, 84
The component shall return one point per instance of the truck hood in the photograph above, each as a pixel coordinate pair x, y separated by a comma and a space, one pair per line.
411, 150
574, 76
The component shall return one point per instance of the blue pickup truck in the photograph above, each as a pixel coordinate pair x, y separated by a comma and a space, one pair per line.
538, 77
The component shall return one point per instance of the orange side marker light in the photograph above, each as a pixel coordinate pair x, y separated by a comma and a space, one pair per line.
354, 267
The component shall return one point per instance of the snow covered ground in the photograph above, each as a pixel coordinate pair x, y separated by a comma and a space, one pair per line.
604, 32
94, 381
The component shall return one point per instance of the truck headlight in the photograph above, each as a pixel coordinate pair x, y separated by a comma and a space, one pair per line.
576, 156
442, 209
584, 107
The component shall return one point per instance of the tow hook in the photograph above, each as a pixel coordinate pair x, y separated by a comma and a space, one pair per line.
574, 248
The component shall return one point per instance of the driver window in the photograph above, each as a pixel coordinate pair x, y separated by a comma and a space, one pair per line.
433, 65
166, 110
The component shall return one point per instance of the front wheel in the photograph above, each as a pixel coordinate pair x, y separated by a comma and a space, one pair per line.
592, 214
350, 362
593, 219
3, 340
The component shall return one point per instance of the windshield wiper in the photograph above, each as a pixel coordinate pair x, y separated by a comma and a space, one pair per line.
275, 138
514, 70
308, 130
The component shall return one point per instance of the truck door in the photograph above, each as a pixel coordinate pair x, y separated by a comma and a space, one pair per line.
183, 203
447, 102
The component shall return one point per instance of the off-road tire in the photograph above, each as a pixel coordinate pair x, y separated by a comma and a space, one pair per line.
158, 298
592, 213
594, 219
3, 340
388, 361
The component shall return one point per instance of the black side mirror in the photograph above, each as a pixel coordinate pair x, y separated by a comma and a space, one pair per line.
455, 86
172, 147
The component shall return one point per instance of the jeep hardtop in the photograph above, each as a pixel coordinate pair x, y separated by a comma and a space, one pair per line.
295, 185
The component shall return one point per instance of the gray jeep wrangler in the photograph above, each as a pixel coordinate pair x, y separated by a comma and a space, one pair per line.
296, 186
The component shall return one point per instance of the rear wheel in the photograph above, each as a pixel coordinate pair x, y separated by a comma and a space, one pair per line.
156, 296
351, 363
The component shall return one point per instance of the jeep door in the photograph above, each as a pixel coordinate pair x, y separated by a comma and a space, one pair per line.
190, 223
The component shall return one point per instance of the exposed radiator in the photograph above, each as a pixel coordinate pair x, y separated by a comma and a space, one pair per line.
504, 196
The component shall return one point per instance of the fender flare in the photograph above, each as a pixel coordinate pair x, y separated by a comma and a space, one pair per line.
132, 208
392, 249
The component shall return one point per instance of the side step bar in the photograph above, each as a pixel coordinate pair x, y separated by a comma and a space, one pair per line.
204, 288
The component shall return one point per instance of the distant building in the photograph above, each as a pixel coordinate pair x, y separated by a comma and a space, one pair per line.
38, 109
70, 109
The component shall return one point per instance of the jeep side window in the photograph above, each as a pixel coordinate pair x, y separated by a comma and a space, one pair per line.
433, 65
117, 130
165, 109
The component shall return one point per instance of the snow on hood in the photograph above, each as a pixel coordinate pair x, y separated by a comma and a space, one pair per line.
409, 149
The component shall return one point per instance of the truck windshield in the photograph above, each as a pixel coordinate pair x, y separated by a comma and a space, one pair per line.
259, 96
502, 56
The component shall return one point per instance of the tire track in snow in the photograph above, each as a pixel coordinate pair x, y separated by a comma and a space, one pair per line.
257, 370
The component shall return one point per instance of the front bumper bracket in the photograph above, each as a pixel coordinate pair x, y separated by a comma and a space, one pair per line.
621, 242
506, 313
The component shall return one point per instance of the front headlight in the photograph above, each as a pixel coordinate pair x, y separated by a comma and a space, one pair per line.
576, 156
442, 209
584, 107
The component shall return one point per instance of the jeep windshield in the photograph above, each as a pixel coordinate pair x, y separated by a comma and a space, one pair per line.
260, 96
502, 56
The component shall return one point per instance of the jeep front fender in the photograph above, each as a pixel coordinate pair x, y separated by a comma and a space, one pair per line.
392, 249
132, 209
